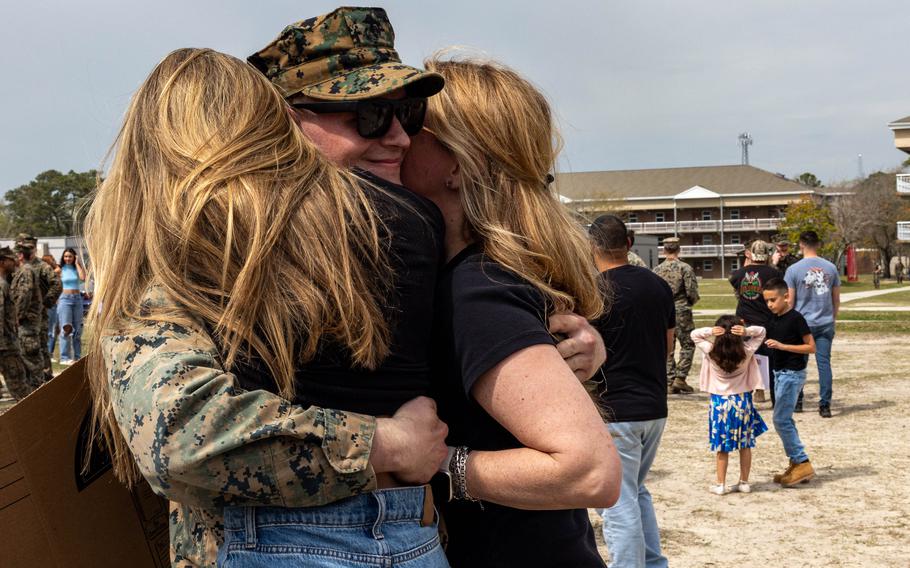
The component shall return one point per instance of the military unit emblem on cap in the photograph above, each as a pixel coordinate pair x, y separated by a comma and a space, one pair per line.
348, 54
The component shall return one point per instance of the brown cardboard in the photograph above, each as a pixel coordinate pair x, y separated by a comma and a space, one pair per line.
52, 513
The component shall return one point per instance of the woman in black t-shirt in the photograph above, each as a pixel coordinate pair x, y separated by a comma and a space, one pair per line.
531, 449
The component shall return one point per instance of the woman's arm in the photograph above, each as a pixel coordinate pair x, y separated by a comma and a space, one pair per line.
569, 460
80, 270
202, 441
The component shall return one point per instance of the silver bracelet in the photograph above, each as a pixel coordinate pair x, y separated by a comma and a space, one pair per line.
458, 467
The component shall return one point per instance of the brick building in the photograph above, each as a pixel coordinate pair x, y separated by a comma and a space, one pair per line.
901, 129
713, 209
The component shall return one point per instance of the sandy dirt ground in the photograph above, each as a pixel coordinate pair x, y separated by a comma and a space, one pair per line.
855, 513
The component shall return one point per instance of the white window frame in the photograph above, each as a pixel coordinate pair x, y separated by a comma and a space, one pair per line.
706, 215
707, 265
633, 217
707, 240
735, 239
660, 217
734, 214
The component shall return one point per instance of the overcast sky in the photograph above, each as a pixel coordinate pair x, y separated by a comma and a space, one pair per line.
636, 84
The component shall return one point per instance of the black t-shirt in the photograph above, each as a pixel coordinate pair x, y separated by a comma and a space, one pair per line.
413, 230
633, 385
789, 329
485, 314
747, 283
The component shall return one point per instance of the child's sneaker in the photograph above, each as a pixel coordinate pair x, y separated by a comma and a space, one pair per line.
719, 489
743, 487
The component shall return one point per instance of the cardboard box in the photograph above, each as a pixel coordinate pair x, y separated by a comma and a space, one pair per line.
55, 514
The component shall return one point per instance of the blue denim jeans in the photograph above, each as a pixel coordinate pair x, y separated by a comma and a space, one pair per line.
787, 384
824, 336
381, 528
630, 526
51, 329
69, 312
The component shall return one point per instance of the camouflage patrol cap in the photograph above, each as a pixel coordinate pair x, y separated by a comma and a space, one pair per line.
7, 253
780, 240
347, 54
24, 246
671, 241
26, 238
759, 250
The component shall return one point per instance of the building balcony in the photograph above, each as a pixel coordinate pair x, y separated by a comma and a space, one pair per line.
903, 183
707, 251
730, 225
903, 231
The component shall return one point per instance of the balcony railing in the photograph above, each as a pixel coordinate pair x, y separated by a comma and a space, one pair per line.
903, 231
707, 251
732, 225
903, 183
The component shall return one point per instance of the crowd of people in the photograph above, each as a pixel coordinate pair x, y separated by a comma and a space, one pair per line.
355, 325
786, 309
42, 300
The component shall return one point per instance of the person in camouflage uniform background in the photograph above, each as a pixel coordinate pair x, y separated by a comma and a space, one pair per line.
26, 293
51, 288
635, 260
17, 380
681, 278
782, 258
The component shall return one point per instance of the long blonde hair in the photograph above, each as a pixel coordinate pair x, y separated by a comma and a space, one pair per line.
215, 197
500, 129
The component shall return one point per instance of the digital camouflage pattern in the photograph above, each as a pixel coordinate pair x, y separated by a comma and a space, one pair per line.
635, 260
347, 54
681, 278
26, 294
14, 375
785, 262
204, 443
51, 288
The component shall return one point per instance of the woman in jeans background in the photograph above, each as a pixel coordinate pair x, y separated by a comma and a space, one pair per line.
69, 307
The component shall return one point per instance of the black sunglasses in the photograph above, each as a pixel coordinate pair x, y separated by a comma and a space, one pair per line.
374, 116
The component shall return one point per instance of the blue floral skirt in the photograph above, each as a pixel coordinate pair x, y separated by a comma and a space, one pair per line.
733, 422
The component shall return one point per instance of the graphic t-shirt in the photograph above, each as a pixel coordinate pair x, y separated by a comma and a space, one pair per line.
747, 283
812, 279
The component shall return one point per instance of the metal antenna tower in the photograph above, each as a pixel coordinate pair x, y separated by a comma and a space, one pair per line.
859, 166
745, 140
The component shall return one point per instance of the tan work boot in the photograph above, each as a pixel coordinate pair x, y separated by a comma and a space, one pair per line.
680, 386
779, 476
759, 395
800, 473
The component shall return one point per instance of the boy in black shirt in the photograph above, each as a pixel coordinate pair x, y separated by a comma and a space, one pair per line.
791, 342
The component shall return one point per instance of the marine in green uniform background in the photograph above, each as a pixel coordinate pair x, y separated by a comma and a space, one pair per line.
51, 288
681, 278
11, 366
26, 293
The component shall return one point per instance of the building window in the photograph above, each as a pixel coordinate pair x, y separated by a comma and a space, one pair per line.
734, 214
734, 265
734, 240
707, 265
659, 217
706, 215
633, 217
707, 240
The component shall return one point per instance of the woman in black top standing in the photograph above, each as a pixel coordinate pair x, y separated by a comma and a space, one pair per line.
531, 451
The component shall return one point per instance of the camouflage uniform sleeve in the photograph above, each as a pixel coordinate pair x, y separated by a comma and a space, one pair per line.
691, 286
22, 290
54, 286
202, 441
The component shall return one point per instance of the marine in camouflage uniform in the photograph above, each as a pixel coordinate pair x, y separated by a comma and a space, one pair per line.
11, 366
204, 443
635, 260
51, 288
26, 293
782, 257
199, 439
681, 278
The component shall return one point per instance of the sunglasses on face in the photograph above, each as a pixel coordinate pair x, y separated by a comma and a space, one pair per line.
374, 117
